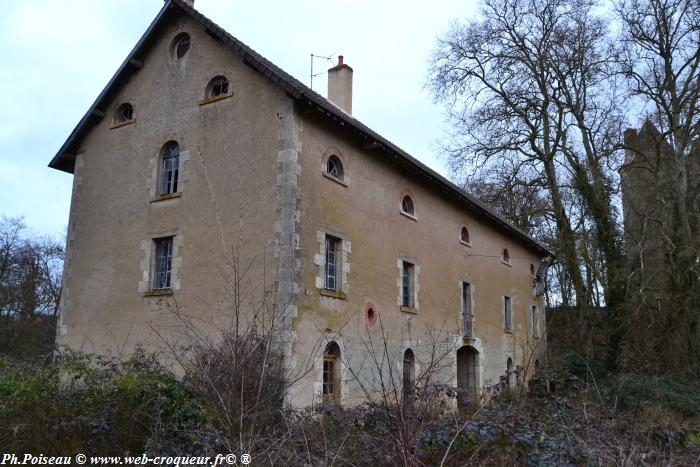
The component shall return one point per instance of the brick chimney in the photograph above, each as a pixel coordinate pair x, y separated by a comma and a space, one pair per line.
340, 85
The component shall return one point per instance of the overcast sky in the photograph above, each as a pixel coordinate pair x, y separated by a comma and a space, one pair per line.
57, 55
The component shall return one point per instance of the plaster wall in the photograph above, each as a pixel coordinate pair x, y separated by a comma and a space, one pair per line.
228, 198
365, 212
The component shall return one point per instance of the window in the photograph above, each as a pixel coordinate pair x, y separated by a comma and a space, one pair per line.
180, 46
407, 285
535, 322
464, 235
505, 257
331, 374
333, 255
162, 267
217, 87
170, 167
334, 167
532, 270
371, 315
124, 113
507, 314
467, 317
407, 205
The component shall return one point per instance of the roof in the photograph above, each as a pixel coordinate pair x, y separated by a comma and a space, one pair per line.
65, 157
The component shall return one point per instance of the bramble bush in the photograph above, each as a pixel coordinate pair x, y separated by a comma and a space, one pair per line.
99, 405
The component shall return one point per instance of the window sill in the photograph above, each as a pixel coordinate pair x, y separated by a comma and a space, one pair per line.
410, 216
209, 100
166, 197
335, 179
508, 331
121, 124
333, 294
158, 292
507, 263
465, 243
408, 309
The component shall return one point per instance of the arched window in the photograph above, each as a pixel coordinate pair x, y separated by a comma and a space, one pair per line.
409, 376
180, 45
331, 372
170, 167
532, 269
464, 235
125, 112
407, 205
334, 167
371, 315
509, 370
217, 86
505, 257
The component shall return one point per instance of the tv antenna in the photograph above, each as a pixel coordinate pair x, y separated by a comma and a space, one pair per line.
328, 59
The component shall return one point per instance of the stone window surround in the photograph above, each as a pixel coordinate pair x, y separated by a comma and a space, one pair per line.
506, 259
344, 374
463, 225
320, 261
334, 151
154, 166
506, 328
416, 283
147, 265
116, 123
408, 192
465, 279
206, 85
173, 58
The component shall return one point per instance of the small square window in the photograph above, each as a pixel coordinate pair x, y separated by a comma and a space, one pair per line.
162, 266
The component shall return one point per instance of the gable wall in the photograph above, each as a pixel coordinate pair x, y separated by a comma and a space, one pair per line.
229, 175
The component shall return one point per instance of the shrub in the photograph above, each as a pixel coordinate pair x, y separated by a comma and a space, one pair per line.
632, 391
91, 404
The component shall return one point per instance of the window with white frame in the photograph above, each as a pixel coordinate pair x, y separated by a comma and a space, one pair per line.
162, 265
333, 262
507, 314
170, 168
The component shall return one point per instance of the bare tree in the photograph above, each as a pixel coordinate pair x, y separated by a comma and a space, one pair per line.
527, 87
661, 61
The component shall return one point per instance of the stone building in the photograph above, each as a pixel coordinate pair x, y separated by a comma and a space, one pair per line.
200, 153
648, 190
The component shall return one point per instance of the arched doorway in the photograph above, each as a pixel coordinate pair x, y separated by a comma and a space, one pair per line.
409, 376
467, 376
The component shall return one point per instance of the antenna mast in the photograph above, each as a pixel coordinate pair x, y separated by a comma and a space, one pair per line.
312, 75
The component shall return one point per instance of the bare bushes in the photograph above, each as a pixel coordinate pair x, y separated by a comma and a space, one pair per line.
241, 384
